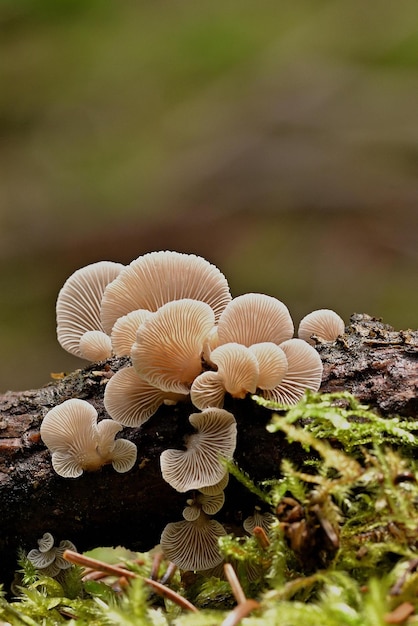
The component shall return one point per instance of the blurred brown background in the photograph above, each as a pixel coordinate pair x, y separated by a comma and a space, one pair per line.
278, 140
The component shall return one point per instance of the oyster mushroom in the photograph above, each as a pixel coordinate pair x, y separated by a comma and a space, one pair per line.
199, 465
209, 504
49, 559
304, 372
324, 324
156, 278
78, 443
193, 545
131, 401
254, 318
169, 344
123, 334
78, 310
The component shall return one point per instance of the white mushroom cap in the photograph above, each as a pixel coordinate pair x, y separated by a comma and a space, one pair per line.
237, 367
169, 344
304, 372
325, 324
272, 364
77, 443
131, 401
95, 345
123, 334
78, 303
199, 465
160, 277
193, 545
207, 391
209, 504
255, 318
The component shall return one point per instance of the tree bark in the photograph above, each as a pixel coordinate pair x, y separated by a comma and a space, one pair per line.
373, 361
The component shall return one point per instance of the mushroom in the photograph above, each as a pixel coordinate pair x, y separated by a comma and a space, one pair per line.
304, 372
78, 308
78, 443
193, 545
169, 344
255, 318
272, 364
160, 277
49, 559
131, 401
263, 520
209, 504
323, 324
200, 464
212, 490
124, 331
95, 345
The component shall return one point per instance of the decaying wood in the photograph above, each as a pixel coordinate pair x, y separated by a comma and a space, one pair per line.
374, 362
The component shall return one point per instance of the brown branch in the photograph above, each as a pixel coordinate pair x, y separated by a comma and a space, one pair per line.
374, 362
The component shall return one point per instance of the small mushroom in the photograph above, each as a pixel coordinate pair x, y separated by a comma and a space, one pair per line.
78, 443
209, 504
95, 345
78, 307
272, 364
263, 520
212, 490
131, 401
156, 278
304, 372
255, 318
193, 545
324, 324
123, 334
169, 344
237, 373
49, 559
200, 465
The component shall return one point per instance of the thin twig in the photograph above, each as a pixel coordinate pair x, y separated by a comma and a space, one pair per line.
232, 578
261, 536
240, 611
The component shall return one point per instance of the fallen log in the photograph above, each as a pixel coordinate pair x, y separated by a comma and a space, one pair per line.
371, 360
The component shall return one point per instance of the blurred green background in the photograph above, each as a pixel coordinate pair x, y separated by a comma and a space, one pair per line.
277, 139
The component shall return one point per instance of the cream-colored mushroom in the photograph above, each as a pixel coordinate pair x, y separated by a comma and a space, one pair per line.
193, 545
78, 443
212, 490
78, 307
208, 503
304, 372
272, 364
169, 344
324, 324
255, 318
156, 278
95, 345
131, 401
208, 390
200, 464
123, 334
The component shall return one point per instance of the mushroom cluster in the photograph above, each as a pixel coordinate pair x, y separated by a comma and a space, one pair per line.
48, 558
188, 339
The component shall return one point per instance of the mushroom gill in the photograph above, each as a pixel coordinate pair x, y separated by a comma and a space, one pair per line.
255, 318
169, 344
78, 443
78, 305
324, 324
200, 464
193, 545
156, 278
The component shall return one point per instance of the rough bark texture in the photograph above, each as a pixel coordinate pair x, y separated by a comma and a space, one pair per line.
374, 362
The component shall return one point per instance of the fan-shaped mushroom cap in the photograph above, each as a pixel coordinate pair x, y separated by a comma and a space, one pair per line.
131, 401
209, 504
272, 364
193, 545
46, 542
78, 303
199, 465
237, 367
212, 490
263, 520
48, 558
160, 277
255, 318
77, 443
325, 324
95, 345
207, 390
304, 372
123, 334
169, 344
